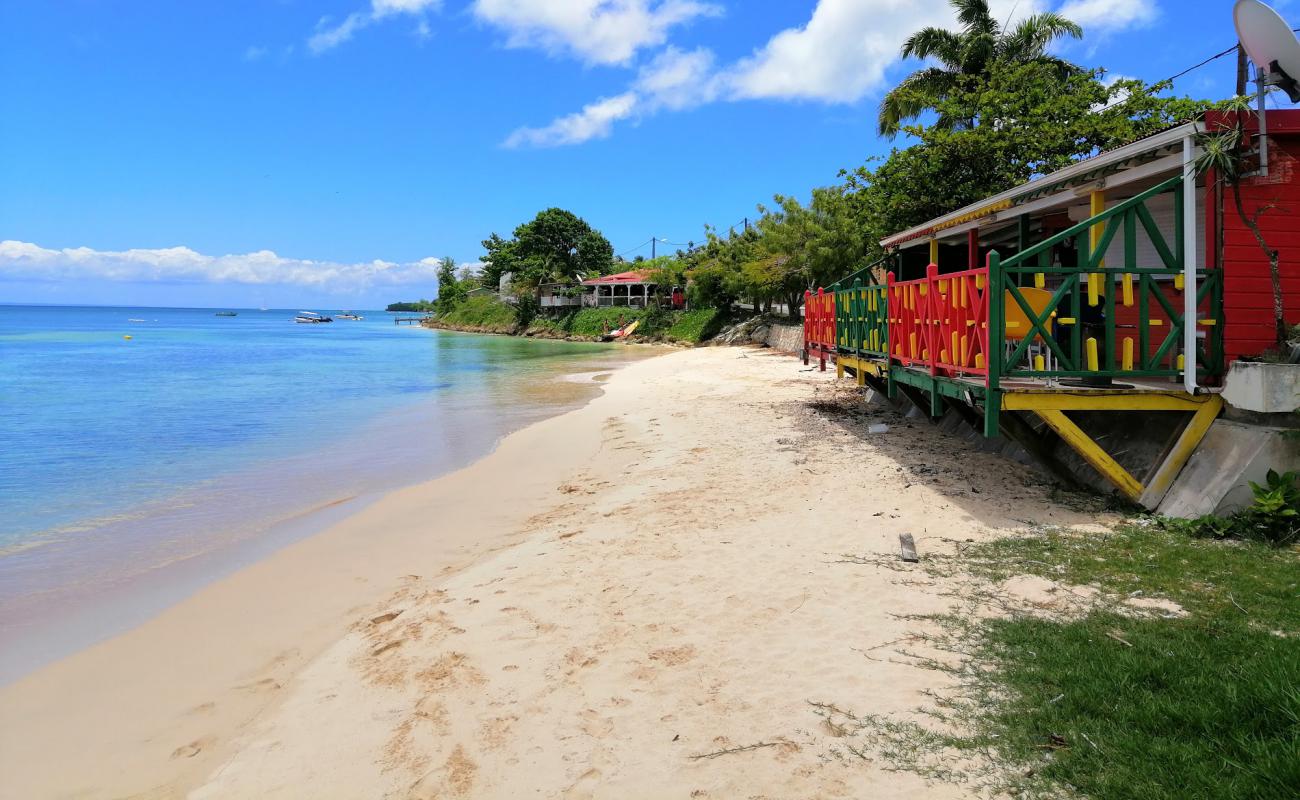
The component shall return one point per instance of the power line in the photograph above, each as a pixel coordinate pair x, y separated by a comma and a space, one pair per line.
1214, 57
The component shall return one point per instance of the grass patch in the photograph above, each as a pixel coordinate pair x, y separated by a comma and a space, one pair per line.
1109, 706
679, 326
696, 325
483, 313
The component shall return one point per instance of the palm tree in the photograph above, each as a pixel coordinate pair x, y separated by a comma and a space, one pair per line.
970, 51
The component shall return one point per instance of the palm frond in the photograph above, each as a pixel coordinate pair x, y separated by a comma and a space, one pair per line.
1031, 38
917, 92
974, 16
937, 42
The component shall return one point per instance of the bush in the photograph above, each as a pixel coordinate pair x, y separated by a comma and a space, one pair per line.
482, 313
1273, 518
696, 325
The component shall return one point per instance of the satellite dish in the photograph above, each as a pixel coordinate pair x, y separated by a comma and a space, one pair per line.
1270, 44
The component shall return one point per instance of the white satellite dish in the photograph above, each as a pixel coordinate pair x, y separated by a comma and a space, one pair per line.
1270, 43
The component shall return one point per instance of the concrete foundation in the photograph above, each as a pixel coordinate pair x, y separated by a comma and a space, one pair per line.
1216, 478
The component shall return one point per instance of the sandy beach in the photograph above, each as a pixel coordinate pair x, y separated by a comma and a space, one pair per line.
597, 609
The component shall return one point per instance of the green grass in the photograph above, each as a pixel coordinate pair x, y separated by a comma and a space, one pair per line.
679, 326
483, 313
1206, 706
696, 325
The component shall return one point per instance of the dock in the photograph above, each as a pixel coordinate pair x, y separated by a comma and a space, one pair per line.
408, 320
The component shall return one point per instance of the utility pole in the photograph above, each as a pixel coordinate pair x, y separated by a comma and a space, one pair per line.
746, 224
653, 240
1241, 70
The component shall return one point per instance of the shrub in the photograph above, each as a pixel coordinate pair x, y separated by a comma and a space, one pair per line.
1273, 517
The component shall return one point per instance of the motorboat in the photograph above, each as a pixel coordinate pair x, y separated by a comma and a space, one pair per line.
225, 314
311, 318
350, 315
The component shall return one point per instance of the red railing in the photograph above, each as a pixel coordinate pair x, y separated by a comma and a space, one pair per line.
940, 322
818, 325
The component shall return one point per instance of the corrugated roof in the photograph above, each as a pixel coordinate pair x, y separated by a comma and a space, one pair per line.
635, 276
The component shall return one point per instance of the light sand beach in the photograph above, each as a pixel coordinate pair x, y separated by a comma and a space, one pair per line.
609, 596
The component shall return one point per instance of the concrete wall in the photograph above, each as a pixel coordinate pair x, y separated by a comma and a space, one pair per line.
786, 338
1216, 478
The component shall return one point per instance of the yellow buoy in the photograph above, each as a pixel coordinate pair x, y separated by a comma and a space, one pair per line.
127, 336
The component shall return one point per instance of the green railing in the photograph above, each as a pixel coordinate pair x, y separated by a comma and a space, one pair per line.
861, 321
1099, 320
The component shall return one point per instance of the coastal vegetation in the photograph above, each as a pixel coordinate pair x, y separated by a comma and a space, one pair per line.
997, 109
488, 314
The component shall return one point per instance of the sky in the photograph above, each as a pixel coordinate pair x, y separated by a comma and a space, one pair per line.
285, 153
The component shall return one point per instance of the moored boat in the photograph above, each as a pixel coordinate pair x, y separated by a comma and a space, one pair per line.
311, 318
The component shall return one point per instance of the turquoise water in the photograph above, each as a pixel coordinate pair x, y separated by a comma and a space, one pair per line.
123, 456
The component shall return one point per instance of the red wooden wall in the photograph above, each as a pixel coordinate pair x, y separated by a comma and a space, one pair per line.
1247, 290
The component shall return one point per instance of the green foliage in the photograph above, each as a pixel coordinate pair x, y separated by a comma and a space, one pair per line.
689, 327
696, 325
419, 306
1026, 119
1110, 706
1273, 518
554, 246
967, 55
482, 313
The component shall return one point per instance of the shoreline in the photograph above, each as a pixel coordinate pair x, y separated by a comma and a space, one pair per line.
193, 666
610, 591
107, 585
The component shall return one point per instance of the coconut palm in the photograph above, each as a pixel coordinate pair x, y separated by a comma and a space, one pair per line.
967, 52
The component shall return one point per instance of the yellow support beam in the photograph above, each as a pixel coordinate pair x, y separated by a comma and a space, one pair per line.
1097, 206
1091, 452
1174, 462
1102, 400
934, 251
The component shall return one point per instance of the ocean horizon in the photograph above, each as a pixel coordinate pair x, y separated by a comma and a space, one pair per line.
202, 441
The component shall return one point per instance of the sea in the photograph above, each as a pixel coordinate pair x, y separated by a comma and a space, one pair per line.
145, 451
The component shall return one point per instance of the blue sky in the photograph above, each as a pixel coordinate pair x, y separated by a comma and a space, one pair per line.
285, 152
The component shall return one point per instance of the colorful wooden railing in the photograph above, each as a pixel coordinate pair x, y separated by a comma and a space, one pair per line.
1024, 317
939, 323
1136, 309
818, 326
861, 321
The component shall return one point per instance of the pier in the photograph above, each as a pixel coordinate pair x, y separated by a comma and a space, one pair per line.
408, 320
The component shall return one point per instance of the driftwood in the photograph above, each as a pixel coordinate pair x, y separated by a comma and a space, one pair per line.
908, 547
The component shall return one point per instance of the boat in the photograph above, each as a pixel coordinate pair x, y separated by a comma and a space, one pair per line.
619, 333
311, 318
225, 314
350, 315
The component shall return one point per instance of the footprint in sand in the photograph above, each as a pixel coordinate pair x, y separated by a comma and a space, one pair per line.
192, 749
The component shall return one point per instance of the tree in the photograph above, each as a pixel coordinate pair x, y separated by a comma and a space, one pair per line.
450, 290
968, 54
1032, 120
555, 246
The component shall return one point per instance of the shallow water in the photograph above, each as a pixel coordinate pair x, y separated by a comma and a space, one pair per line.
124, 459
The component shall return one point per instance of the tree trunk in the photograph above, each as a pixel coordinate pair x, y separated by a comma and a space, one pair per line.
1274, 272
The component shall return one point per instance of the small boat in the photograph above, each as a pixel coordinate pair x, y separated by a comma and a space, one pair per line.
225, 314
619, 333
311, 318
350, 315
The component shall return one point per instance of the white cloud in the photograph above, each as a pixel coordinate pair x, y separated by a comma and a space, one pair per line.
840, 55
27, 261
594, 121
1107, 15
597, 31
327, 38
254, 53
677, 80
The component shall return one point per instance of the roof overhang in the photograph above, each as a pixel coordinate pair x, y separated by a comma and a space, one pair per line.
1126, 164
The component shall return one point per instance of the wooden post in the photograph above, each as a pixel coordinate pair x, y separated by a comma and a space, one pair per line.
934, 251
